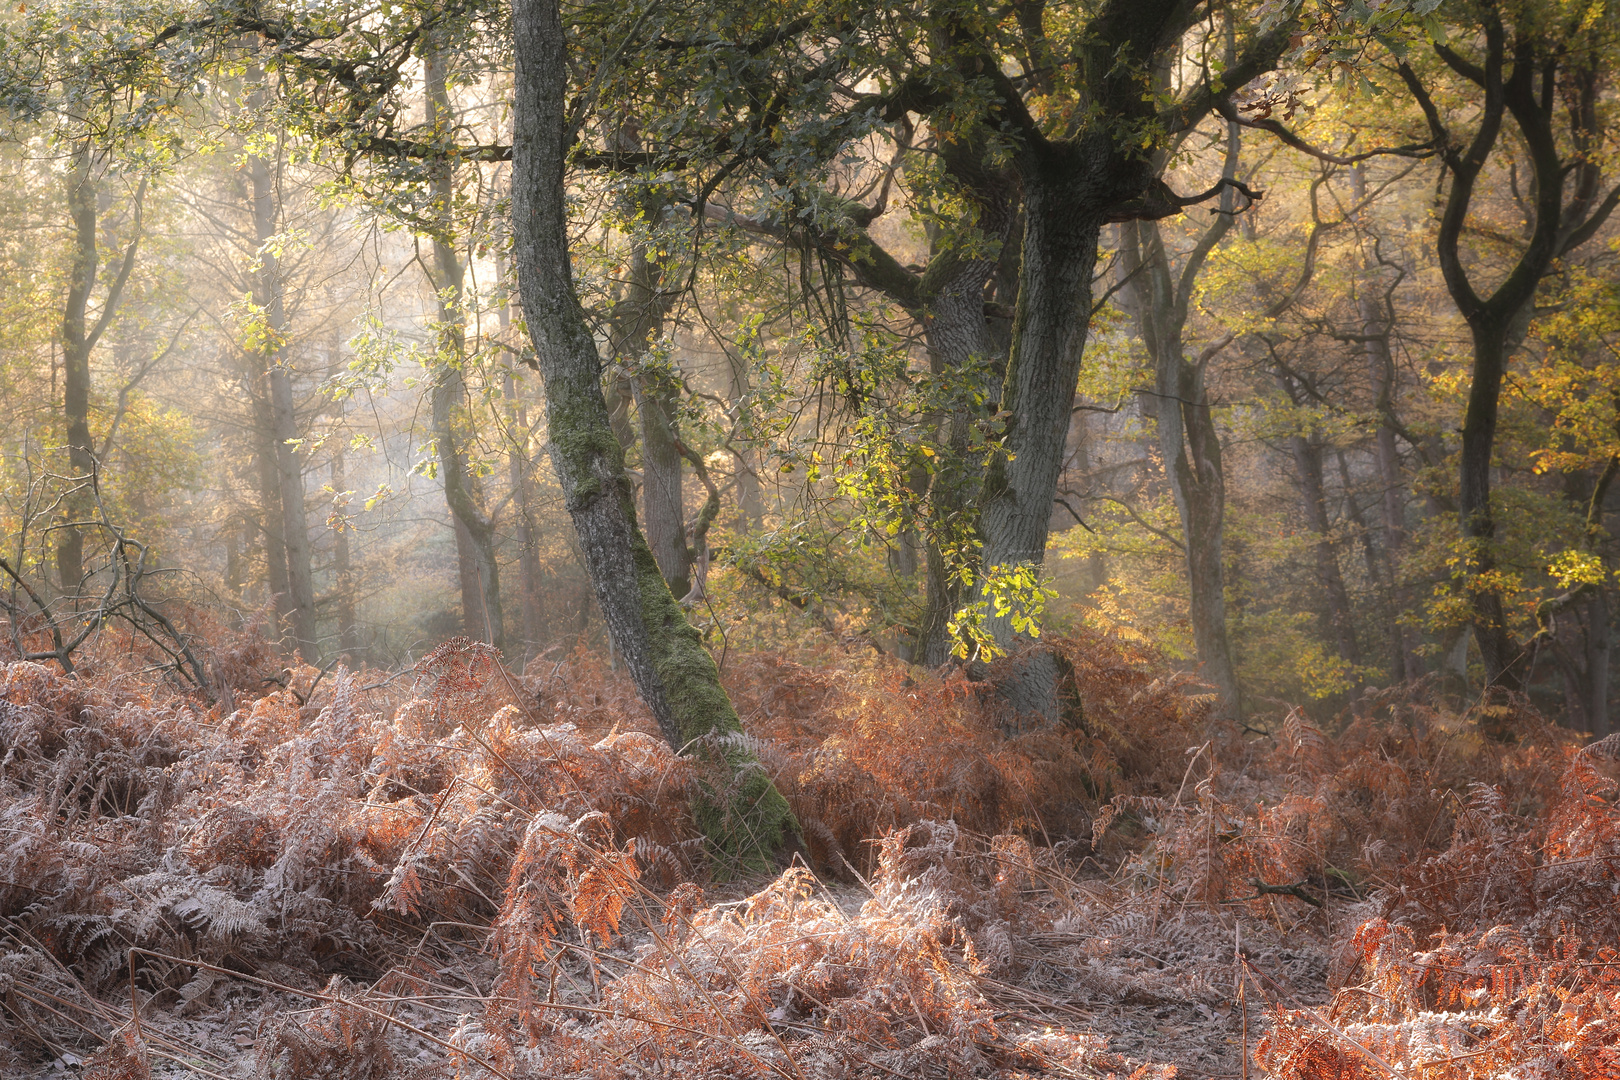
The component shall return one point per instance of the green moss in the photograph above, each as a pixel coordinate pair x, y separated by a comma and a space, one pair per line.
747, 821
739, 810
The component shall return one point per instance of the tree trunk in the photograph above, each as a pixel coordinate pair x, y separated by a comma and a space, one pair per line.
1497, 649
520, 466
1188, 441
269, 295
1049, 338
662, 481
1307, 454
478, 572
961, 350
740, 810
1597, 663
637, 320
343, 572
82, 195
270, 519
750, 496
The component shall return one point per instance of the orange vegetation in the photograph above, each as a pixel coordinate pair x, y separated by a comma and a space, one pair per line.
457, 871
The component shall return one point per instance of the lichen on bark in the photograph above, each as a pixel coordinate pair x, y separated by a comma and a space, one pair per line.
740, 811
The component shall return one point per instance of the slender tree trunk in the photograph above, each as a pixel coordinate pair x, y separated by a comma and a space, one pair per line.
662, 482
1497, 649
1307, 454
521, 479
478, 572
82, 195
1188, 442
343, 572
520, 466
269, 482
1598, 653
743, 814
750, 496
638, 320
269, 295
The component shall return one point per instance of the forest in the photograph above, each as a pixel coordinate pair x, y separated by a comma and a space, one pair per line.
809, 539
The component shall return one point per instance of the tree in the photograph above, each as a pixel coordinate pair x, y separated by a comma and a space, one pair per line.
1184, 418
289, 547
1540, 68
80, 334
745, 816
479, 569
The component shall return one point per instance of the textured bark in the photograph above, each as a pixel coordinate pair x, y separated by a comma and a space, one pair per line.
1061, 226
269, 483
961, 349
750, 493
478, 572
269, 295
740, 810
662, 482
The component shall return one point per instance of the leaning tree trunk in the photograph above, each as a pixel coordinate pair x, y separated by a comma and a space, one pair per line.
739, 809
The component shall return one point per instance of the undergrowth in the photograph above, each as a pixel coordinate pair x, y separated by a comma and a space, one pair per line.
460, 871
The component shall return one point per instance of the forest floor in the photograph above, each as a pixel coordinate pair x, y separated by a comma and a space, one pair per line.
458, 871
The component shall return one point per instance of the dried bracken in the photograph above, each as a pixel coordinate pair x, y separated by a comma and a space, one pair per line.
463, 872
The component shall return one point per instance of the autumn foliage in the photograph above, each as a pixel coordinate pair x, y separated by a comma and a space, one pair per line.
460, 871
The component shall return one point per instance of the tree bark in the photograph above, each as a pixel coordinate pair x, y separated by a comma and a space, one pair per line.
637, 321
740, 810
269, 483
478, 571
269, 296
662, 481
76, 345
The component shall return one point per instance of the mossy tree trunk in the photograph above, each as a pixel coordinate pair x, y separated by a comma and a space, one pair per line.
740, 810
